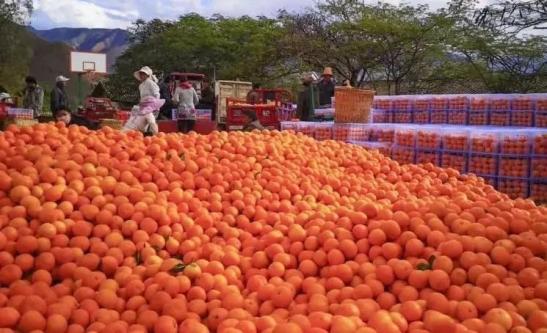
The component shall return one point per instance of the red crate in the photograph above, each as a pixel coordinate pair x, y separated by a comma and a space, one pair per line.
524, 118
457, 117
514, 187
403, 155
402, 117
478, 118
541, 119
428, 139
538, 167
515, 142
323, 131
539, 144
523, 103
168, 126
538, 192
205, 126
405, 137
457, 161
458, 103
439, 116
511, 166
483, 164
428, 156
456, 141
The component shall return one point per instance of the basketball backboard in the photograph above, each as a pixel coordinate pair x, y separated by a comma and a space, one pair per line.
82, 62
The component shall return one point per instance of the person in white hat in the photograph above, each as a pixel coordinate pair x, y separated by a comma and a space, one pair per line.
149, 86
143, 117
59, 99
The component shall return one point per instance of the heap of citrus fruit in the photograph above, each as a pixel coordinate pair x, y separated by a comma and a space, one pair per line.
258, 232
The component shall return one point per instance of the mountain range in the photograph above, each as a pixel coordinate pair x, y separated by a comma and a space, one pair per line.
113, 42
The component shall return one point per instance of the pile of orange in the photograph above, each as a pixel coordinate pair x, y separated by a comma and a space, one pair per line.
256, 232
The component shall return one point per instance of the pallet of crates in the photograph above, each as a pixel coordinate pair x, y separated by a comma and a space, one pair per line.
540, 116
538, 167
458, 110
500, 110
455, 148
514, 163
405, 136
522, 111
420, 109
483, 154
479, 106
402, 110
382, 109
439, 110
428, 144
324, 131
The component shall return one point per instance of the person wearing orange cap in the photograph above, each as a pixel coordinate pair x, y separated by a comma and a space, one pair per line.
326, 87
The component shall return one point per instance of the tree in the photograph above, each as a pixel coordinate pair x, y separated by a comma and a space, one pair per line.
515, 15
14, 52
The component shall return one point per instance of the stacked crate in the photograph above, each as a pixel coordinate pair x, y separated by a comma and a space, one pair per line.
455, 150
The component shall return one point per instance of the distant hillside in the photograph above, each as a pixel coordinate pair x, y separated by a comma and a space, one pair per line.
113, 42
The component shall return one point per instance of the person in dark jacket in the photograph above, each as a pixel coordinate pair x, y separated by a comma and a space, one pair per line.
65, 116
33, 96
59, 98
252, 123
326, 87
253, 97
307, 99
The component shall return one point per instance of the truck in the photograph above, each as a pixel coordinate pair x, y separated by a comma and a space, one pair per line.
225, 90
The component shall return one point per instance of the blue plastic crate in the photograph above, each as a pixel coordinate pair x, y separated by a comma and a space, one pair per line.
517, 166
458, 161
483, 164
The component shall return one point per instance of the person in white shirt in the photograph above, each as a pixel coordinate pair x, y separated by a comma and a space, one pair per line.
186, 98
142, 116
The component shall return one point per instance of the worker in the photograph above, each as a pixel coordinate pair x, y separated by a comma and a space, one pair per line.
33, 96
307, 99
5, 98
326, 87
251, 121
185, 98
142, 116
59, 98
65, 116
253, 97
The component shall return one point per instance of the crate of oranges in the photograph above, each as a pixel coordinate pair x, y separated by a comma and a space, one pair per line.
381, 116
438, 110
382, 103
538, 167
340, 132
540, 119
456, 139
458, 110
306, 128
424, 156
522, 111
323, 131
514, 187
403, 155
539, 143
479, 106
483, 164
429, 138
514, 166
514, 142
500, 111
359, 132
382, 133
491, 180
421, 110
457, 161
538, 191
484, 141
405, 136
402, 117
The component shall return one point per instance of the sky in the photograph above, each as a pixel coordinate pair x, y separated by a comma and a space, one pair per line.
120, 13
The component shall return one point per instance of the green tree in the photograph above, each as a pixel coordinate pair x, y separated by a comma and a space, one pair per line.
516, 15
14, 53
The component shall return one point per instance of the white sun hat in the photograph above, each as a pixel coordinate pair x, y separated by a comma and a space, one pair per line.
146, 70
61, 78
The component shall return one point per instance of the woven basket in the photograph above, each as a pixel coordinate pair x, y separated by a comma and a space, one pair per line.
353, 105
